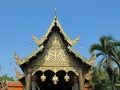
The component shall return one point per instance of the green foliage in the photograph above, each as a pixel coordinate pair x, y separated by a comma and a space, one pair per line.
108, 49
118, 82
6, 78
100, 81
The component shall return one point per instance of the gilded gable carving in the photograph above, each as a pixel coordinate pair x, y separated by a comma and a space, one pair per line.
55, 52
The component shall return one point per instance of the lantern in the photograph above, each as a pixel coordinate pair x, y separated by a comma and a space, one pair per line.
55, 79
66, 77
43, 78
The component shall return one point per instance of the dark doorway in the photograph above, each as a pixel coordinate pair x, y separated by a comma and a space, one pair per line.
49, 85
61, 84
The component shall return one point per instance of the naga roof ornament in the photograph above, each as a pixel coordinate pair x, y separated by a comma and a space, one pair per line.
24, 60
18, 75
89, 75
91, 61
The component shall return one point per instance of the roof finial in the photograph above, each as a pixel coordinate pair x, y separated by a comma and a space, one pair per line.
55, 13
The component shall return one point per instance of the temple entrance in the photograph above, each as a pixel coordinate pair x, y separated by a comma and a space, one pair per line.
55, 81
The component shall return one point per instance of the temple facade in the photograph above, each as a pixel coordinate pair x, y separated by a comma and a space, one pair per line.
54, 65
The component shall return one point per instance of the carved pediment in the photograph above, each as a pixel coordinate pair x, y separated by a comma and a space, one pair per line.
55, 53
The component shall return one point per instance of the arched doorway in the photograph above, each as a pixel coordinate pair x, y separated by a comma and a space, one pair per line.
60, 84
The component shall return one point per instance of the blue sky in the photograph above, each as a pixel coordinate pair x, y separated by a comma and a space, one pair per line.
19, 19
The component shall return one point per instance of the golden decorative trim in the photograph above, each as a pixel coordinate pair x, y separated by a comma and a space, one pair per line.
84, 60
38, 42
76, 54
92, 60
56, 69
55, 22
26, 59
88, 76
72, 43
18, 75
18, 60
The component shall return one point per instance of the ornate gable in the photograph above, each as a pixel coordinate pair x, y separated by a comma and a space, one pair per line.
54, 53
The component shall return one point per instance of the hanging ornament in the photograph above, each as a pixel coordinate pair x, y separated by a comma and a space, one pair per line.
43, 78
66, 77
55, 79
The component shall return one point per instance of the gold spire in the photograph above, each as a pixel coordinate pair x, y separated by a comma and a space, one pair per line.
55, 15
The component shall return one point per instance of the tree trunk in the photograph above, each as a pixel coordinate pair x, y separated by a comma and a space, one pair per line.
112, 83
111, 78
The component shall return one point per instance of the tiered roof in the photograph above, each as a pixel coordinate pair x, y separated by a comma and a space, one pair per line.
41, 43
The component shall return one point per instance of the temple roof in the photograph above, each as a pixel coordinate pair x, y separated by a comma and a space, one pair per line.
40, 42
33, 54
84, 60
55, 22
26, 59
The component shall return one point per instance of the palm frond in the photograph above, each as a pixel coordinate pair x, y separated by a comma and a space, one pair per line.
99, 54
118, 55
104, 39
110, 49
109, 38
100, 65
117, 43
117, 62
95, 47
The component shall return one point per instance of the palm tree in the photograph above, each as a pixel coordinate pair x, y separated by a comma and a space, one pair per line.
105, 49
116, 55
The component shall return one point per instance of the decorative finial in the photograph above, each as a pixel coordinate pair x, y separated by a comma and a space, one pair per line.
55, 13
